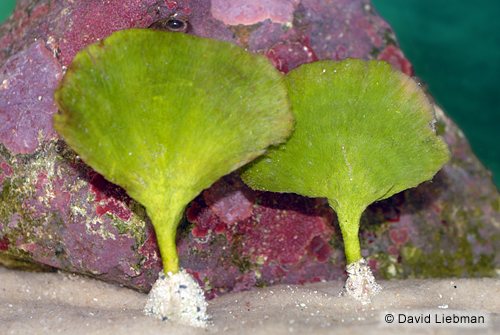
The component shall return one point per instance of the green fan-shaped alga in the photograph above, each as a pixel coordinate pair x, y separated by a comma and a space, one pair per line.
164, 115
364, 131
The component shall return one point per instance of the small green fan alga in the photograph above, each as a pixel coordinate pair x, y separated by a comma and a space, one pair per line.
364, 131
164, 115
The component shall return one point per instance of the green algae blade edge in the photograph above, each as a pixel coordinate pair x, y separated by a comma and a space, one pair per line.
363, 133
164, 115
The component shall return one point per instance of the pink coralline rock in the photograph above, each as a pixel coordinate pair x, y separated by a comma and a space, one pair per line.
230, 199
90, 22
28, 80
57, 213
250, 12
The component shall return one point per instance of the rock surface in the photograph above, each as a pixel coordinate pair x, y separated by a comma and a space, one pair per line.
55, 212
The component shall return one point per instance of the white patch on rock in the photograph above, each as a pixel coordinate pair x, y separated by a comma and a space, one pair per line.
360, 282
178, 298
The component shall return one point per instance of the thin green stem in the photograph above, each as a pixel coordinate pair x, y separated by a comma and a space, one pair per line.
165, 220
349, 226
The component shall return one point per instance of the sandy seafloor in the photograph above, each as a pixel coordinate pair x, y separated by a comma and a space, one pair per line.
61, 303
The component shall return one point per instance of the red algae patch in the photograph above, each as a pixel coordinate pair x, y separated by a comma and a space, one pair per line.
111, 198
4, 243
113, 207
399, 236
207, 220
395, 57
7, 169
393, 250
281, 229
277, 234
286, 56
319, 248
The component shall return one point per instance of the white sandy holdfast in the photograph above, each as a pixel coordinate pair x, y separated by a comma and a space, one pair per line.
178, 298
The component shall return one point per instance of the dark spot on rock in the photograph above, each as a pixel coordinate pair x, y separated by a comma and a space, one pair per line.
164, 318
391, 214
199, 309
4, 243
183, 286
60, 146
59, 251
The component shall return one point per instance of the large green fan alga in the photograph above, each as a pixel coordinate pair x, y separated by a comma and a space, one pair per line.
364, 132
164, 115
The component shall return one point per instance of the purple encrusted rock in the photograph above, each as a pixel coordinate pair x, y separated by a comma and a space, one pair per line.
28, 80
56, 212
233, 12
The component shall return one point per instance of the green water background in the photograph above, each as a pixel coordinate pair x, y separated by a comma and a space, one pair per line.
454, 46
6, 7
